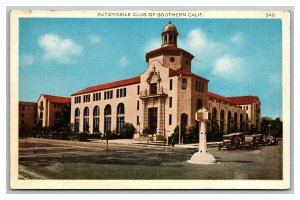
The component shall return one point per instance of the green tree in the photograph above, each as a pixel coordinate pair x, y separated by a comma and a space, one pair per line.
269, 125
127, 131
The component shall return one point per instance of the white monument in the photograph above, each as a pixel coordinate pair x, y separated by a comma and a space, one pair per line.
202, 156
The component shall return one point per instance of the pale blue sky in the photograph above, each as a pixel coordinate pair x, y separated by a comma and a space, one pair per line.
238, 56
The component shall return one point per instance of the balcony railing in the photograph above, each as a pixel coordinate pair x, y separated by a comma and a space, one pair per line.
147, 93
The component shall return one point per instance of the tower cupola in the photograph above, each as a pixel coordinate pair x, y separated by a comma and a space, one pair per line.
169, 35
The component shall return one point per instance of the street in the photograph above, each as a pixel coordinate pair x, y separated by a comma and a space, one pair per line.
54, 159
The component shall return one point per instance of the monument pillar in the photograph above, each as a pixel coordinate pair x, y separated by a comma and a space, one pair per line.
202, 156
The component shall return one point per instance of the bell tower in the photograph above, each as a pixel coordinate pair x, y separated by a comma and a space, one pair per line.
169, 35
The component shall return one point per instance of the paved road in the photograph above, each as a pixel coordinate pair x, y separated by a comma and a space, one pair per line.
51, 159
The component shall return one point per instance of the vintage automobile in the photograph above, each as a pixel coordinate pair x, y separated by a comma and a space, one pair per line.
232, 141
253, 141
270, 140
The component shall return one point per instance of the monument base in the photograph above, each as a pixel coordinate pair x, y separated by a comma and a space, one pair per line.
202, 158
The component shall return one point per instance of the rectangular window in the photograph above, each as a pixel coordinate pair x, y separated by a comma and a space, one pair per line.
171, 84
184, 84
104, 95
202, 87
94, 97
197, 86
121, 92
138, 105
111, 94
170, 119
99, 95
246, 107
23, 115
124, 92
118, 93
138, 89
170, 102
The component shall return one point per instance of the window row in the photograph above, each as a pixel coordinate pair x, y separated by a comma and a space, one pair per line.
199, 87
108, 94
86, 98
121, 92
78, 99
245, 107
97, 96
96, 120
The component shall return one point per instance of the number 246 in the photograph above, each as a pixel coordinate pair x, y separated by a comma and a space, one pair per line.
270, 14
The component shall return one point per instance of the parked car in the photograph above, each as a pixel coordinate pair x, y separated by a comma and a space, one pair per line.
270, 140
232, 141
253, 141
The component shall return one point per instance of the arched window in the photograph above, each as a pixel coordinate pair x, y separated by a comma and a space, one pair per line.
214, 115
235, 121
184, 119
86, 126
107, 118
222, 114
241, 122
120, 117
77, 120
229, 121
170, 39
96, 113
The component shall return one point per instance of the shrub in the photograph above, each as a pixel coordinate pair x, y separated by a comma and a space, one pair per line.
127, 131
192, 135
175, 134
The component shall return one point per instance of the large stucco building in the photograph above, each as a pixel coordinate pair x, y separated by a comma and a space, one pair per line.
27, 115
165, 95
50, 108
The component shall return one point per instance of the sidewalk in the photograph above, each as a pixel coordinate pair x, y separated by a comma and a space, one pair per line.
154, 143
125, 142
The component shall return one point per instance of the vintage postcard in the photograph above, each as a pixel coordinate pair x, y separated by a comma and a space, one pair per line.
150, 99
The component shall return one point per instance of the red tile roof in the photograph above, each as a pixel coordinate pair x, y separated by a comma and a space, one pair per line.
216, 96
243, 100
110, 85
187, 73
57, 99
167, 49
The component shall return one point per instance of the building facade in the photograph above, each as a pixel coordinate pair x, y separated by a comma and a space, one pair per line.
27, 115
50, 108
164, 96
